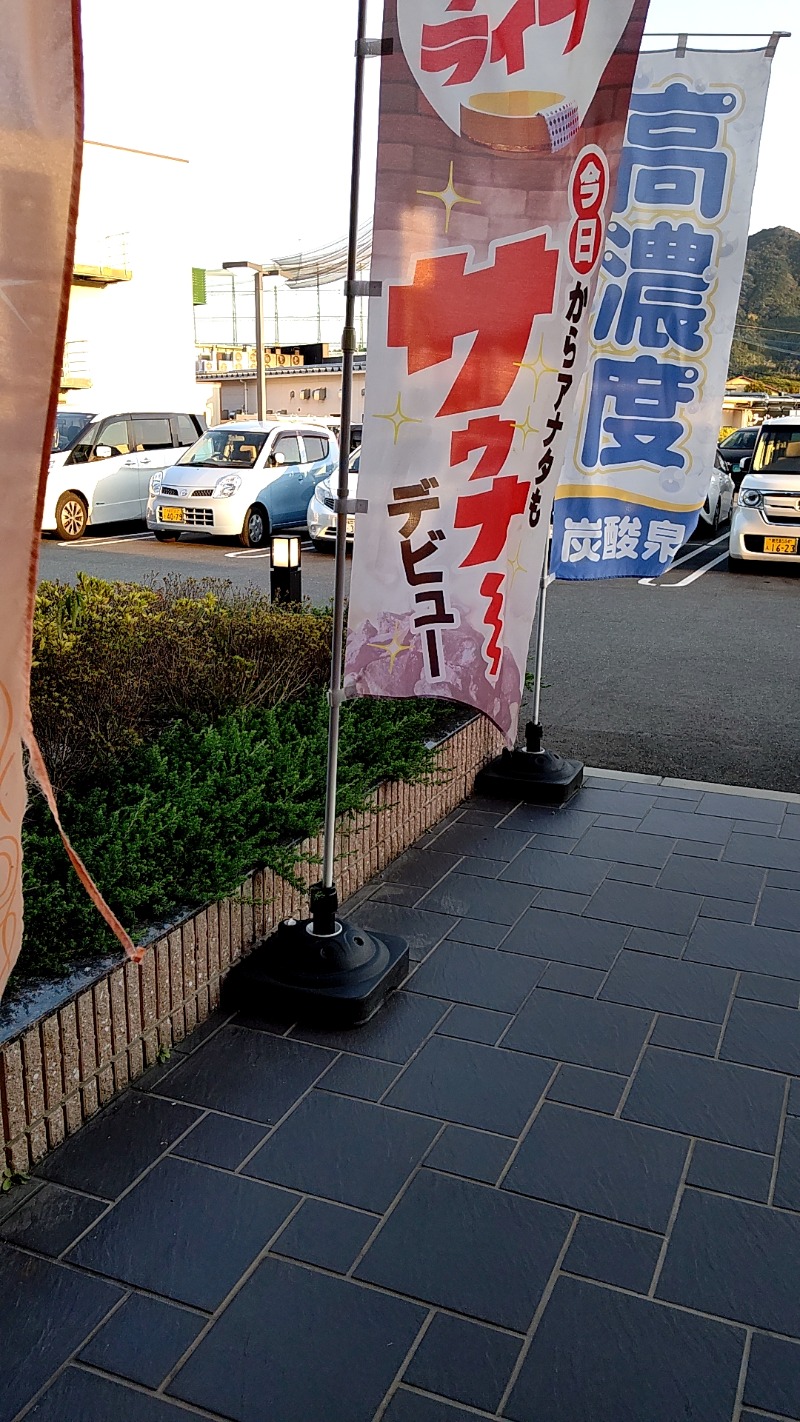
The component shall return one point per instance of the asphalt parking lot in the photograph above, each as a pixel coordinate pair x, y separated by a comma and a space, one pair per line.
695, 674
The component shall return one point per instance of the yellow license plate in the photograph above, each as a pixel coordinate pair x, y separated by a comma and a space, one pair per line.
780, 545
173, 516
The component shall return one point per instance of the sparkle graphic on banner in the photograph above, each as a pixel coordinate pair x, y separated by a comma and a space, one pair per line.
514, 566
526, 428
538, 368
398, 418
450, 197
392, 649
10, 281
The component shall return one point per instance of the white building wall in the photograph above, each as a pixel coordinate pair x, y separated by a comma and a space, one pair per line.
138, 334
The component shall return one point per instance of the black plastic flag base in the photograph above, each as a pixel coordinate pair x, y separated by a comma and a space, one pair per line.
338, 979
533, 775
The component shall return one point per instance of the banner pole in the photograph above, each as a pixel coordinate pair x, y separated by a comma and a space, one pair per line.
323, 969
538, 656
325, 899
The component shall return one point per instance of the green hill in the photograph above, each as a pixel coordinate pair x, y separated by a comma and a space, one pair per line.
767, 341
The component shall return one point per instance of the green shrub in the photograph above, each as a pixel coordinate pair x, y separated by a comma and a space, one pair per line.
184, 819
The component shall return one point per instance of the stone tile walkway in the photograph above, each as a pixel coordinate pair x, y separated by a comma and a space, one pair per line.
557, 1179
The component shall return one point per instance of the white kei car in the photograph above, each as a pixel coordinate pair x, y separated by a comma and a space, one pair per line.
243, 480
765, 527
322, 508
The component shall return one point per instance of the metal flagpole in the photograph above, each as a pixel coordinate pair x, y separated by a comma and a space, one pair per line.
323, 968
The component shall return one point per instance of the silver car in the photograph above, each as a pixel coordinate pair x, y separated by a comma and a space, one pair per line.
766, 519
322, 506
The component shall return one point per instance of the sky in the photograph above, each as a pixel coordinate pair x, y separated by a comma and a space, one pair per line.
262, 108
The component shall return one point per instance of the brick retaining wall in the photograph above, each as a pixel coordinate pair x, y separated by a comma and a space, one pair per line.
58, 1071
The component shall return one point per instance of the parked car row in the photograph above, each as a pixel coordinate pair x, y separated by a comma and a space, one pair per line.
766, 518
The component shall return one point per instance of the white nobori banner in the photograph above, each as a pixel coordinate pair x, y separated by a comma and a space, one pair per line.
641, 457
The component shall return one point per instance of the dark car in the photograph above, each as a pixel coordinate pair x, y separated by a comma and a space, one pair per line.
738, 446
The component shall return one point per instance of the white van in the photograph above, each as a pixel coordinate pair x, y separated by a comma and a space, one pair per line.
101, 465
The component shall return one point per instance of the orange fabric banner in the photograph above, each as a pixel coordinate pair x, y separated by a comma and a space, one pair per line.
41, 130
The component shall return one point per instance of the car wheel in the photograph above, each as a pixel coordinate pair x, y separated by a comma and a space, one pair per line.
717, 519
72, 517
323, 545
255, 529
738, 565
164, 537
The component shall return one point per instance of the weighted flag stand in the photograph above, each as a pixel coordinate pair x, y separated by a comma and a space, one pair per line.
322, 968
537, 776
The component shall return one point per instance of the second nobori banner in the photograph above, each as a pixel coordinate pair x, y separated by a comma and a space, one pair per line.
641, 457
501, 126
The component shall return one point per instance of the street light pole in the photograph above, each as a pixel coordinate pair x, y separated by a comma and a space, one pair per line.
259, 273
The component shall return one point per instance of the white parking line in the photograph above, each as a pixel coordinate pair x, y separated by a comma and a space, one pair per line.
102, 542
249, 553
692, 553
698, 573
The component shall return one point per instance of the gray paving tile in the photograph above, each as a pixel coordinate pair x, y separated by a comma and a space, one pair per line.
476, 1155
405, 895
696, 849
731, 1172
116, 1146
474, 1024
666, 802
676, 792
665, 985
360, 1338
393, 1035
488, 899
787, 1184
772, 951
640, 907
502, 843
559, 844
650, 940
560, 901
81, 1394
620, 822
779, 908
734, 1260
364, 1077
600, 1166
331, 1236
599, 1355
248, 1073
582, 1086
634, 874
483, 935
685, 1034
481, 977
616, 802
564, 977
472, 1085
420, 928
421, 867
762, 851
185, 1231
469, 1248
353, 1152
773, 1376
580, 1030
143, 1340
51, 1220
482, 868
223, 1141
754, 827
793, 1105
732, 1104
790, 828
681, 824
783, 878
407, 1406
714, 880
556, 871
727, 910
613, 1254
565, 938
464, 1361
48, 1312
742, 807
783, 992
762, 1035
531, 819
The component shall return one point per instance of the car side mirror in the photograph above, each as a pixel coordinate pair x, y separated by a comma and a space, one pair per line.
103, 451
744, 464
277, 459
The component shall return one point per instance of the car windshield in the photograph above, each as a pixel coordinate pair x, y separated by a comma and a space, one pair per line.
778, 450
69, 425
740, 439
226, 448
